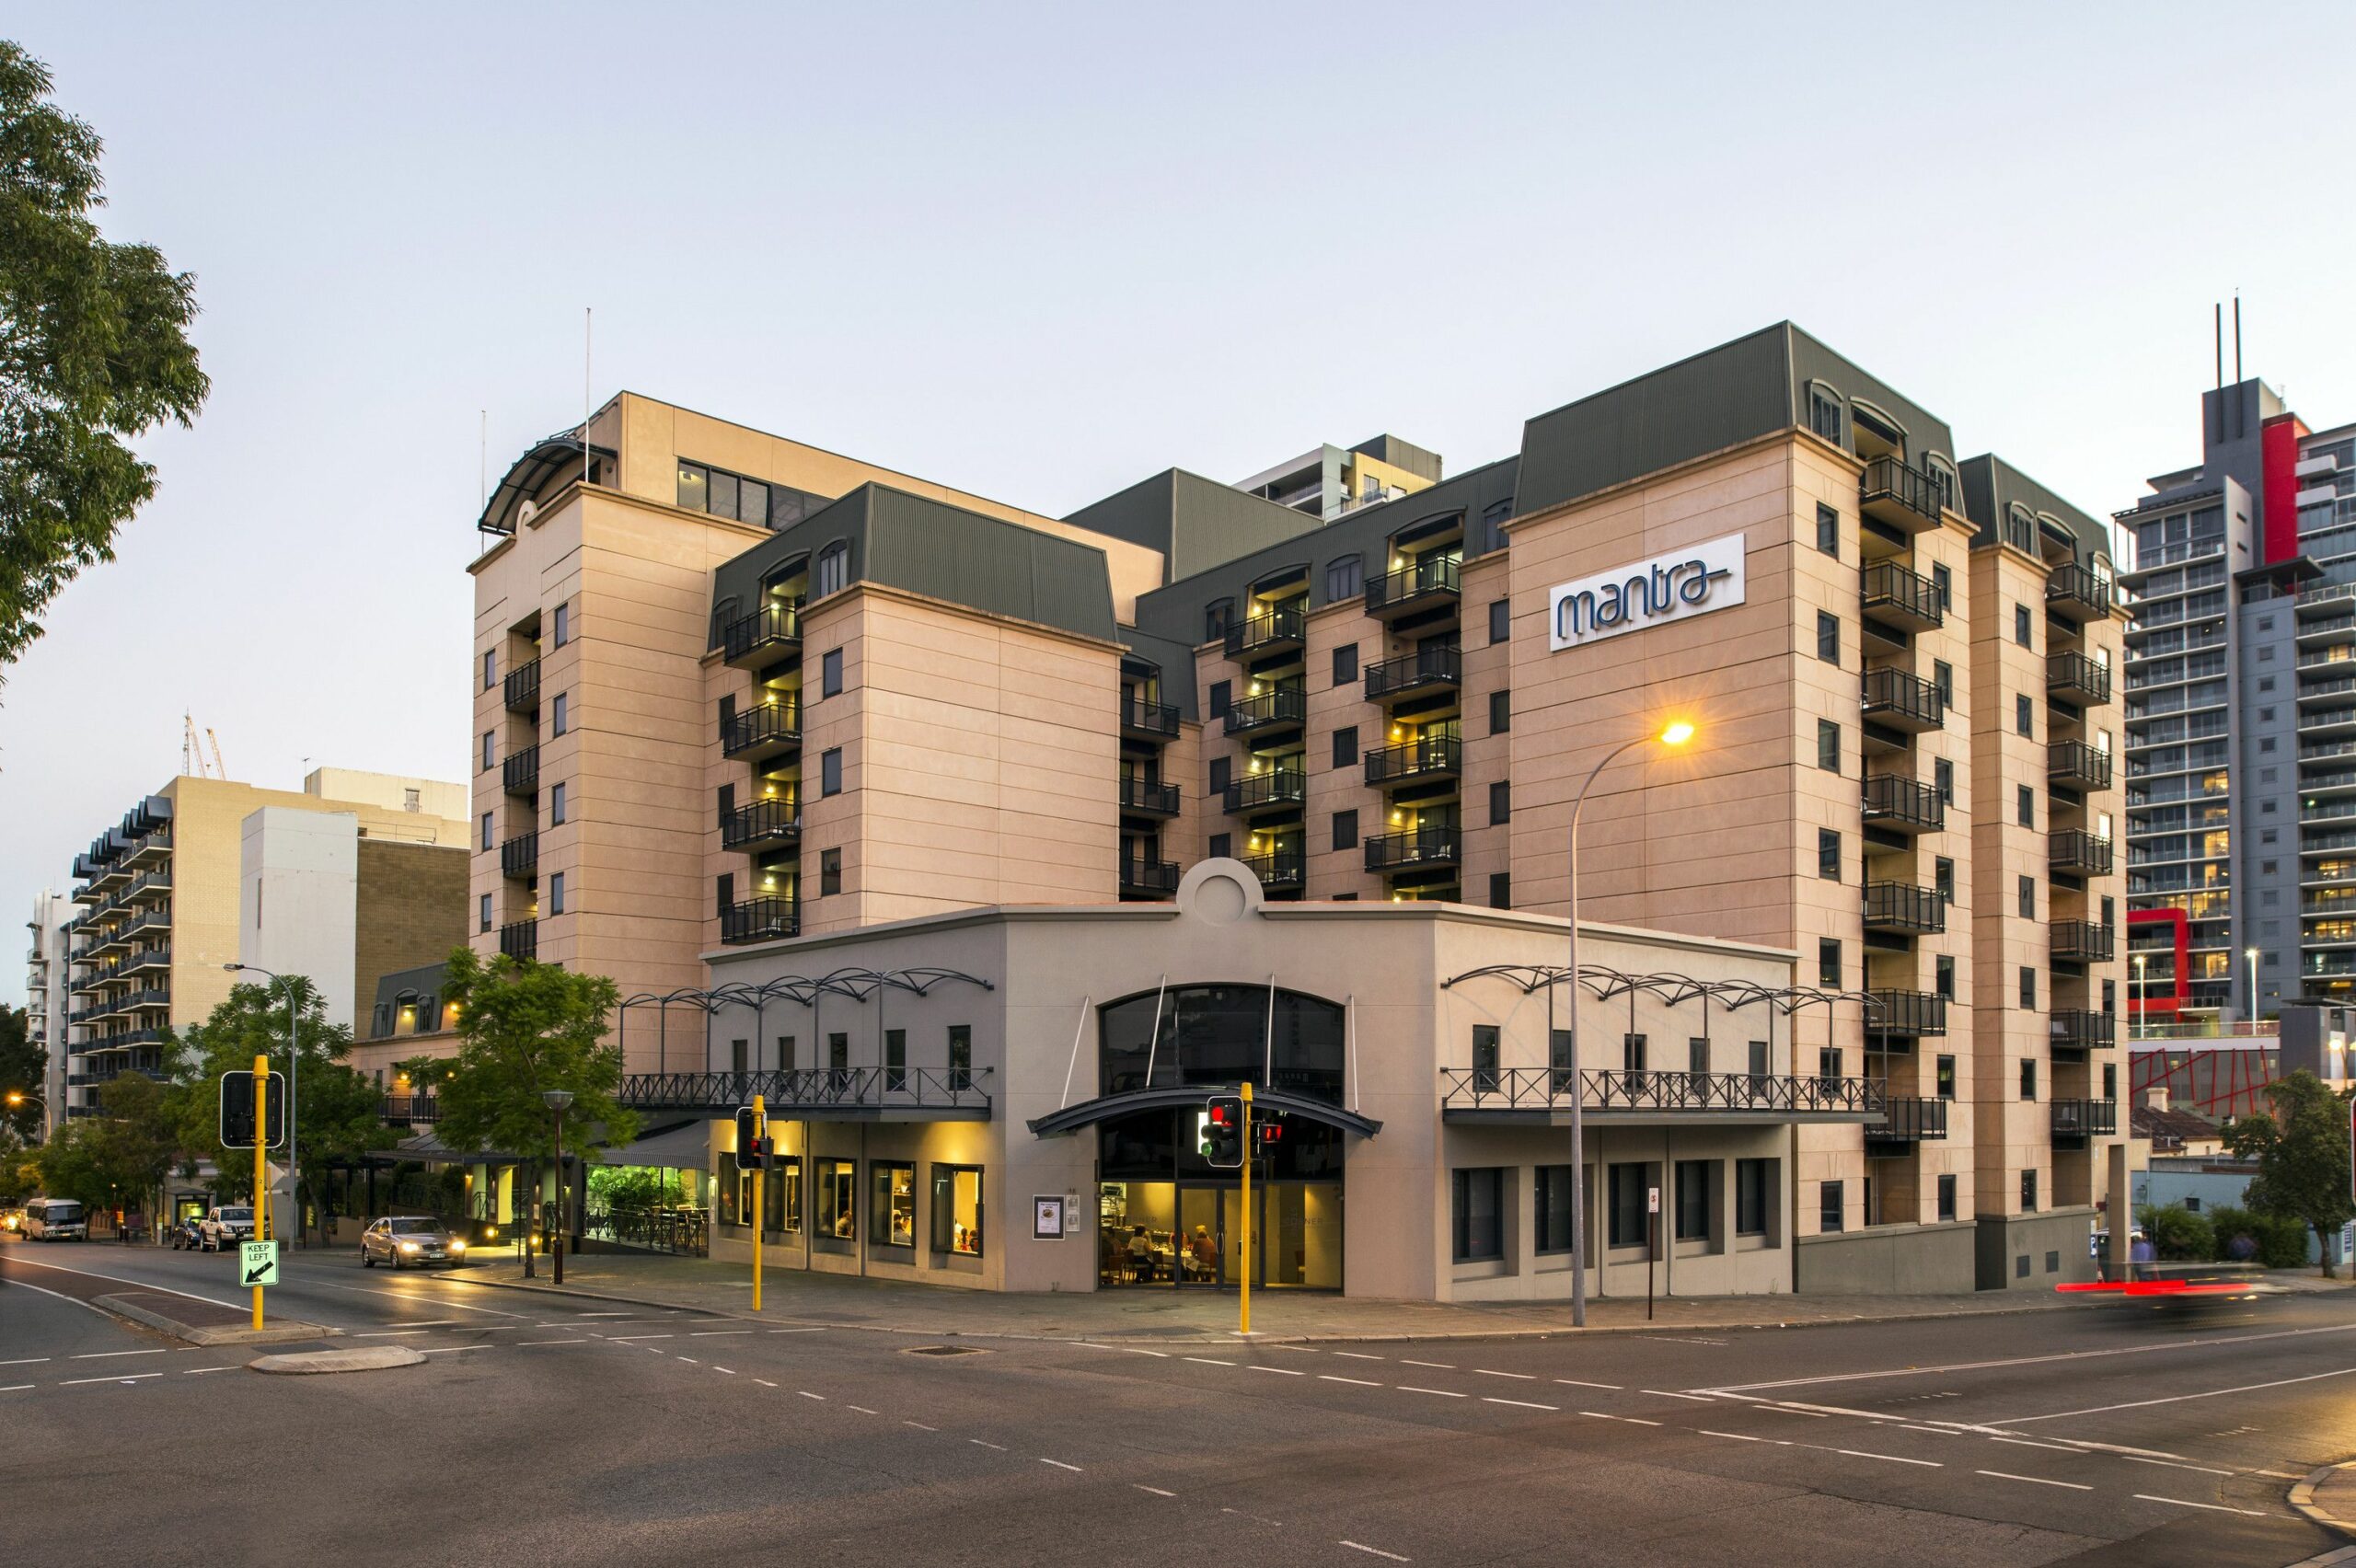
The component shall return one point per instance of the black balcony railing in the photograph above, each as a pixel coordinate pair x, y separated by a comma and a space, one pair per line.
1896, 802
1898, 597
1279, 868
773, 727
410, 1108
1612, 1089
759, 920
1433, 756
2076, 852
520, 774
1425, 670
1148, 879
520, 856
1901, 906
776, 819
2082, 1029
2077, 765
1147, 720
521, 689
775, 629
1436, 845
1898, 496
1903, 701
2074, 1120
1149, 796
1265, 791
822, 1089
1908, 1120
2081, 942
2076, 678
1282, 707
2077, 594
1905, 1015
519, 939
1430, 579
1268, 632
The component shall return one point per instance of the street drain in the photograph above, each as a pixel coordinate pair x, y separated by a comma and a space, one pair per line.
945, 1350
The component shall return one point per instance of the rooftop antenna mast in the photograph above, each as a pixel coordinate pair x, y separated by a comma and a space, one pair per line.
588, 341
2238, 336
2218, 324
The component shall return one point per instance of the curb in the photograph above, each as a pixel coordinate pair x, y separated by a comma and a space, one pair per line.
278, 1332
2303, 1498
367, 1358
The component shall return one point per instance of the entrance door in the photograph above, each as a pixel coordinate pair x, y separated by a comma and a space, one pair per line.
1199, 1229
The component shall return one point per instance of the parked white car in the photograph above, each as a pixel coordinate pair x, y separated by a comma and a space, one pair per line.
224, 1226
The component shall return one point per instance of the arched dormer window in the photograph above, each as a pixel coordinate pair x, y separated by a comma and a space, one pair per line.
2020, 527
832, 570
1825, 411
1874, 432
1943, 474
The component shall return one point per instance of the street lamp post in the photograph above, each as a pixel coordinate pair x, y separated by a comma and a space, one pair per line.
2142, 1007
2251, 954
1676, 735
294, 1058
557, 1100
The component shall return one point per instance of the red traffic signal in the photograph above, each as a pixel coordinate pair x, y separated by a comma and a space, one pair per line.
1222, 1144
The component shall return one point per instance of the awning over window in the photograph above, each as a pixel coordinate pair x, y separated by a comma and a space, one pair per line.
1104, 1108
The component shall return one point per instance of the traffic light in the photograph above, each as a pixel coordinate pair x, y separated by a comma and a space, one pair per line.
753, 1151
238, 1111
1268, 1130
1223, 1132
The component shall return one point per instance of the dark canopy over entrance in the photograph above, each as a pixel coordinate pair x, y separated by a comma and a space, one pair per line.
1107, 1107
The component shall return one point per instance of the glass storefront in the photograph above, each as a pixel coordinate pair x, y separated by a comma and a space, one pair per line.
1165, 1217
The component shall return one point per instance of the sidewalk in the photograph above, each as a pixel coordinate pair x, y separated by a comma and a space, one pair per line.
1183, 1316
2328, 1497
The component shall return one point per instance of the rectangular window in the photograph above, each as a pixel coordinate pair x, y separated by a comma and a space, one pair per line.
1345, 578
830, 672
1942, 1077
961, 1057
740, 1056
564, 625
830, 873
489, 741
1752, 1184
695, 487
838, 1054
2028, 1078
1693, 1198
957, 1209
892, 1211
785, 1053
1345, 664
1697, 1055
1222, 697
1827, 637
1346, 830
1632, 1052
559, 715
490, 668
485, 925
1553, 1208
2027, 806
2029, 898
1500, 712
839, 1199
1943, 877
1625, 1208
1947, 1197
1757, 1062
2028, 989
1500, 803
2021, 625
1943, 681
783, 1194
556, 894
1558, 1060
487, 830
1500, 620
1500, 890
1345, 746
896, 1058
1480, 1218
556, 805
1222, 844
1944, 970
2111, 1081
1222, 774
1828, 1208
1486, 1077
1942, 780
1827, 854
2024, 713
1828, 745
1943, 585
1827, 962
1828, 530
2028, 1191
830, 772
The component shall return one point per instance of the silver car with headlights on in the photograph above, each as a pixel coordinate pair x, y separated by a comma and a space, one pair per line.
402, 1242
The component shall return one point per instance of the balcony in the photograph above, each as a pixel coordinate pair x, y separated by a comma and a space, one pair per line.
1898, 496
148, 959
1907, 1121
1428, 583
2074, 677
1425, 673
1271, 712
1416, 849
2075, 1121
521, 690
520, 774
1149, 796
2081, 942
1153, 721
826, 1094
2076, 852
1897, 600
2076, 594
1896, 700
1282, 629
1148, 879
2077, 765
768, 634
1261, 793
1280, 869
1895, 803
776, 820
1904, 909
2082, 1029
520, 857
759, 920
520, 939
1543, 1096
1429, 760
763, 734
1904, 1015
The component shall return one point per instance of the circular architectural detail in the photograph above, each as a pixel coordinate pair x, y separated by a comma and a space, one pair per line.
1221, 892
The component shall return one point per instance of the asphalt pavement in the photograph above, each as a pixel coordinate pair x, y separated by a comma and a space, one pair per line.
551, 1430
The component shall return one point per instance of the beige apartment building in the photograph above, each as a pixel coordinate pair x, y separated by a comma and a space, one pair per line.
737, 696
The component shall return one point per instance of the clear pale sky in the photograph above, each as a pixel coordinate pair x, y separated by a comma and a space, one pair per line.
1040, 252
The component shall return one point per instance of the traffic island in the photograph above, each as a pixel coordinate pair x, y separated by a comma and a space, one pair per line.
2328, 1496
199, 1322
363, 1358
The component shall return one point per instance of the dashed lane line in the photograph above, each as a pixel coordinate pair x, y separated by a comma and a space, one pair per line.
1281, 1371
1892, 1459
27, 1361
1435, 1365
808, 1395
1376, 1551
730, 1370
1575, 1383
1155, 1490
1520, 1377
521, 1343
122, 1377
2027, 1360
980, 1443
2213, 1507
104, 1354
1522, 1404
1060, 1465
861, 1409
2035, 1479
918, 1424
1207, 1361
1358, 1355
1443, 1393
1664, 1393
1743, 1437
1359, 1382
454, 1349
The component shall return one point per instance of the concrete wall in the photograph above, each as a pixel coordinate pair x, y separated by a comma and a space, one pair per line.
298, 890
2035, 1251
1890, 1260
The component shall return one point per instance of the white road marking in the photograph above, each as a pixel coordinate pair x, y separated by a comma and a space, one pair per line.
1740, 1437
2033, 1443
1524, 1377
126, 1377
2213, 1507
28, 1361
411, 1297
2176, 1399
1933, 1431
1631, 1420
797, 1330
1575, 1383
979, 1444
453, 1349
1437, 1366
2030, 1360
1059, 1464
1284, 1371
861, 1409
690, 1360
2204, 1470
1893, 1458
1361, 1382
2033, 1479
201, 1371
103, 1355
808, 1395
714, 1333
433, 1323
1524, 1404
2280, 1475
1358, 1355
1664, 1393
1138, 1350
390, 1333
118, 1279
1207, 1361
520, 1344
597, 1315
765, 1383
732, 1372
1297, 1349
1155, 1490
626, 1339
918, 1424
1443, 1393
1376, 1551
15, 1388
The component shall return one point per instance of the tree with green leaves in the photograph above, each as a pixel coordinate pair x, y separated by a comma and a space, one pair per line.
94, 352
524, 1029
2302, 1150
24, 1072
20, 1169
119, 1157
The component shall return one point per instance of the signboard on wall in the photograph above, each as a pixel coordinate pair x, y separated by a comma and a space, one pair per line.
1675, 586
1046, 1219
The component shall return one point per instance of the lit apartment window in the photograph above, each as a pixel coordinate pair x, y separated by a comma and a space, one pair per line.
830, 772
957, 1209
830, 672
1828, 530
1828, 745
1827, 854
556, 805
1500, 620
1345, 664
485, 830
1827, 637
1345, 578
559, 719
1944, 1077
1500, 712
564, 625
556, 894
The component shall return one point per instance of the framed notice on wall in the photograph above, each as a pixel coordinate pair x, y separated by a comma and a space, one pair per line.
1046, 1219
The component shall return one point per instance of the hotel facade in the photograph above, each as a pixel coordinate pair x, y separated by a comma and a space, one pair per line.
788, 744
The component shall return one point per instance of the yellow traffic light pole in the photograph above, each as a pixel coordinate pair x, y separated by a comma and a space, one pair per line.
262, 1163
760, 1210
1245, 1327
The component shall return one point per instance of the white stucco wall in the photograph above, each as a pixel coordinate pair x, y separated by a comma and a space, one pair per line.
298, 888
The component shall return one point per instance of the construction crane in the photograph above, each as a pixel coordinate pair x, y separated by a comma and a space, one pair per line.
193, 759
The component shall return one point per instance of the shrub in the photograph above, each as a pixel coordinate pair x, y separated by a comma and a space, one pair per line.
2273, 1241
2178, 1235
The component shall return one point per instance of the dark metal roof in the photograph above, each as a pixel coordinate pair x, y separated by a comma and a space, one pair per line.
1195, 523
1991, 486
425, 980
528, 475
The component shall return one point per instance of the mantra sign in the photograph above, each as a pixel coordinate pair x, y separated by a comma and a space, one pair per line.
1689, 582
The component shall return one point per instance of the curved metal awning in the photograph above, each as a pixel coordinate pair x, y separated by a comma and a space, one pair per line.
1104, 1108
528, 474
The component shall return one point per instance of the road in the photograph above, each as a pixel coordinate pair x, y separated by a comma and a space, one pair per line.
546, 1430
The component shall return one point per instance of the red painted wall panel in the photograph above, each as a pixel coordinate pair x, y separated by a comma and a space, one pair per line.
2278, 506
2171, 1001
